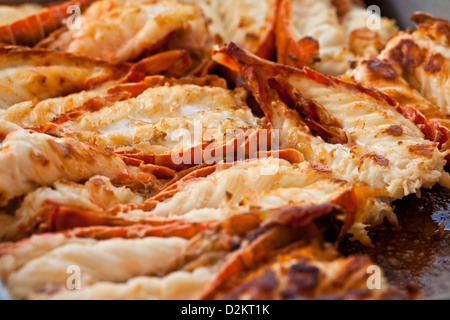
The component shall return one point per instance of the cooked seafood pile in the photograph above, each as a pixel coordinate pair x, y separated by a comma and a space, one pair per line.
177, 149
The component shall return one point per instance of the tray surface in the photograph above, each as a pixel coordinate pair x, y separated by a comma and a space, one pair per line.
419, 251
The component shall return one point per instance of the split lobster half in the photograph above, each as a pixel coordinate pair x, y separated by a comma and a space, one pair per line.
29, 74
30, 30
326, 34
409, 69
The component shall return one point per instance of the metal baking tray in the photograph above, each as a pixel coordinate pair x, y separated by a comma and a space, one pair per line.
419, 251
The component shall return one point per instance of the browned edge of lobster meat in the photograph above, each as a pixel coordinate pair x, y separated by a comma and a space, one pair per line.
258, 73
290, 51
